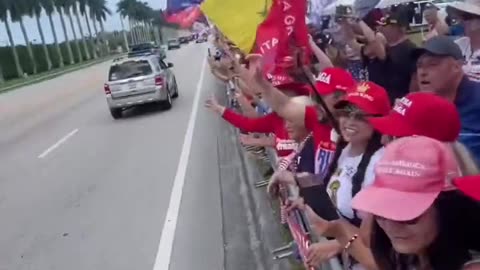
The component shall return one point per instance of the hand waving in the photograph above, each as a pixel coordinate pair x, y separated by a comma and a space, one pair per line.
212, 104
252, 75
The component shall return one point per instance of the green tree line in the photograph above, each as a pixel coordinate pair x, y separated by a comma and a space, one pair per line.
83, 45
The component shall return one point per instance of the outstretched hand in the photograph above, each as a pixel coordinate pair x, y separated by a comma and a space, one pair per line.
212, 104
248, 139
252, 74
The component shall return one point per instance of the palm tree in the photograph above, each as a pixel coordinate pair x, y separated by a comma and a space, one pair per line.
124, 33
66, 5
126, 8
96, 40
57, 4
83, 10
35, 10
4, 19
2, 79
17, 9
99, 11
141, 15
136, 35
84, 42
158, 20
50, 9
146, 15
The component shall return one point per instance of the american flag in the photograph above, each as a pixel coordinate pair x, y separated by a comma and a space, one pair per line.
288, 162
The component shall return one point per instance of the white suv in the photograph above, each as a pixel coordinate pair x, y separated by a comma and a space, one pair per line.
139, 80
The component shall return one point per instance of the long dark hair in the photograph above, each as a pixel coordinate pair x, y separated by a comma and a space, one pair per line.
373, 145
458, 221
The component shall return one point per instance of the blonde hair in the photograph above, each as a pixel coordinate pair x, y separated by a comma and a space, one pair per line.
464, 159
303, 100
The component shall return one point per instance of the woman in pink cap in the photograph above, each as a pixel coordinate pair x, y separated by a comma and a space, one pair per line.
421, 220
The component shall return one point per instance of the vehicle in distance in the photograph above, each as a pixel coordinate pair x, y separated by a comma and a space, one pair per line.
146, 48
173, 44
183, 40
137, 81
201, 39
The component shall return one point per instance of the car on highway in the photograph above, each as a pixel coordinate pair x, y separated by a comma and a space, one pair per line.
201, 39
173, 44
183, 40
134, 81
146, 48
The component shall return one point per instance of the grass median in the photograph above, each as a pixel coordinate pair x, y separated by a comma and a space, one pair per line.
31, 79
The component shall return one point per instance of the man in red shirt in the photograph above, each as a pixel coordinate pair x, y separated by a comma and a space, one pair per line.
270, 123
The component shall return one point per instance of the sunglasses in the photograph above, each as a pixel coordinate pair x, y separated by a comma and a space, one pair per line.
354, 113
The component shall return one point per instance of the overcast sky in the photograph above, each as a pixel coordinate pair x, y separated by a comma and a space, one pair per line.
113, 23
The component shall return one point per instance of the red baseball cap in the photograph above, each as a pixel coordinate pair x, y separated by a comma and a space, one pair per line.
333, 79
470, 185
408, 181
368, 97
420, 113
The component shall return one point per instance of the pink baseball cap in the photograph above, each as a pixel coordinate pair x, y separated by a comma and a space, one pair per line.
408, 180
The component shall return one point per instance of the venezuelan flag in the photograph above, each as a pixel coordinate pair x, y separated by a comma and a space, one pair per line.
238, 19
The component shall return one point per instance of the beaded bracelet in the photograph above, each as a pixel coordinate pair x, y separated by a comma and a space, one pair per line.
349, 243
345, 255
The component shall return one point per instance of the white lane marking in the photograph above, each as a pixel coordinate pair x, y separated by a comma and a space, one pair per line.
58, 143
162, 261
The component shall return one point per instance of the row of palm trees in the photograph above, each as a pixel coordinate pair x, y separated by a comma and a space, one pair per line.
92, 11
142, 19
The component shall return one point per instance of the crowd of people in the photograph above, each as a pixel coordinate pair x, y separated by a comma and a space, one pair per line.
380, 136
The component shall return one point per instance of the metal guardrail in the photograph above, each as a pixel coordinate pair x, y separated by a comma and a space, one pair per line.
299, 217
332, 264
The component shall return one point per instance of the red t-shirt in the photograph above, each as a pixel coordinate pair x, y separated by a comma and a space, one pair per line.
322, 137
270, 123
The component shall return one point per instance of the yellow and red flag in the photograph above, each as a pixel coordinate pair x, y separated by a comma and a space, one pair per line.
237, 19
280, 37
275, 29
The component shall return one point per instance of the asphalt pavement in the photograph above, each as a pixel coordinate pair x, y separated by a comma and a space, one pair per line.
81, 191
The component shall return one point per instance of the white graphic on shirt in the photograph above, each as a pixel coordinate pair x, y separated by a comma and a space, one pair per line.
286, 145
340, 185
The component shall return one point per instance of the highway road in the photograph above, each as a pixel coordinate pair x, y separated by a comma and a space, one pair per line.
81, 191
